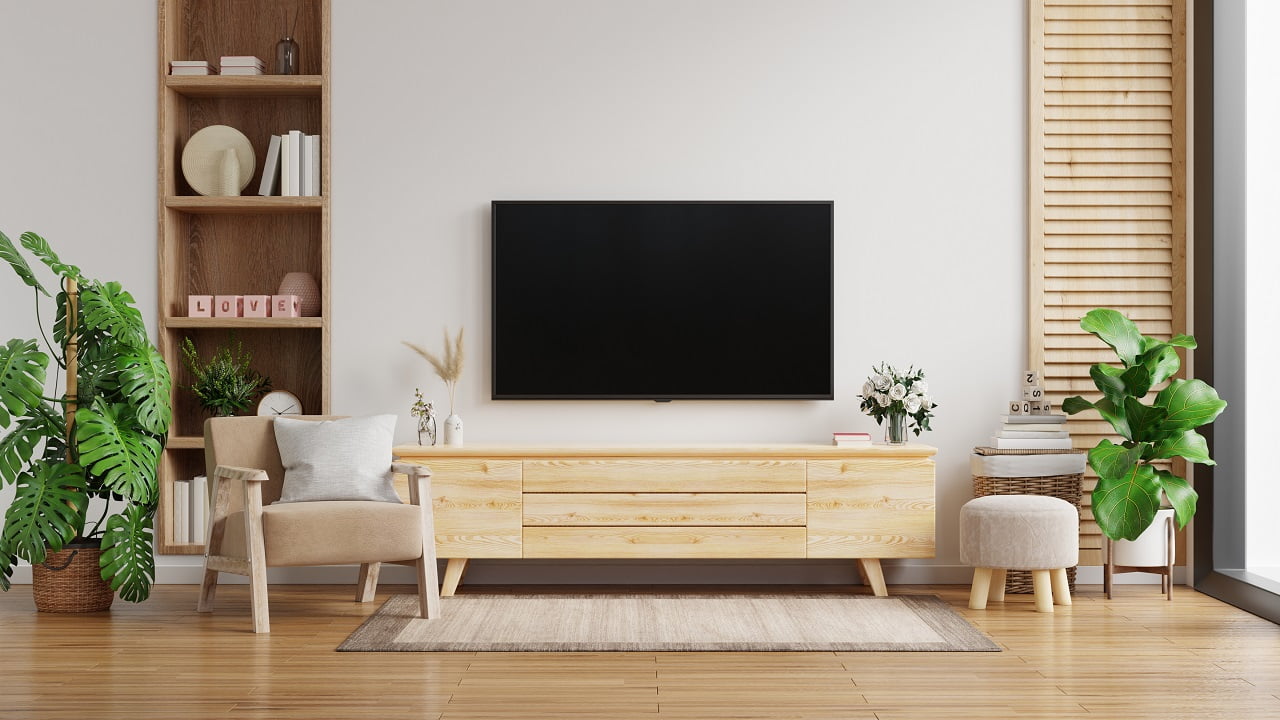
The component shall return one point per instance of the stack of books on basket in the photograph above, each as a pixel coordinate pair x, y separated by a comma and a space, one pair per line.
1031, 424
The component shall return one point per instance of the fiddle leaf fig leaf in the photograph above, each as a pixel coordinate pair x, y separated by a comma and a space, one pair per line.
9, 253
1076, 404
1109, 380
1144, 420
1188, 444
1125, 505
1137, 380
127, 561
1111, 460
40, 248
1189, 404
1160, 364
1116, 330
22, 376
1181, 496
47, 510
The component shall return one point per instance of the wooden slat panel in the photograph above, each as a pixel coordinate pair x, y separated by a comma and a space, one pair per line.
1096, 27
1101, 199
1109, 184
477, 507
871, 509
1110, 41
1155, 140
1119, 11
1109, 55
1108, 170
663, 543
1072, 313
1108, 70
1110, 155
1108, 212
663, 475
1103, 113
671, 509
1108, 98
1116, 269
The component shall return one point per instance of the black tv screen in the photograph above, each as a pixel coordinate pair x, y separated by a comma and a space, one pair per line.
662, 300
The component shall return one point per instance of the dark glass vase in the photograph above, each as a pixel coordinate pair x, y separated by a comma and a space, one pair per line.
287, 58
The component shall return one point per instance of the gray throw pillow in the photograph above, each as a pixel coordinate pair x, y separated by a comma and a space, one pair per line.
347, 459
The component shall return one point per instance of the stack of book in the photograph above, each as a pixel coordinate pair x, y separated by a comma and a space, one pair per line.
190, 510
241, 65
292, 167
190, 67
1032, 432
850, 438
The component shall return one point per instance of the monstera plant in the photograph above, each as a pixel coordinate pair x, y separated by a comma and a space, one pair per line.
1130, 479
61, 450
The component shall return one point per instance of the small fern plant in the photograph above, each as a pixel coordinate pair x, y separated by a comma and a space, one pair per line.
119, 419
225, 385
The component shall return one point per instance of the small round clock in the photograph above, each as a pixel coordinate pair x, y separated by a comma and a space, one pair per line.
279, 402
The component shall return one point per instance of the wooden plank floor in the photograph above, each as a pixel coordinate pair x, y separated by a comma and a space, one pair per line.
1133, 657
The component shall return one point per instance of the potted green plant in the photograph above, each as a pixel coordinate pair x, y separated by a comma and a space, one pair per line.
225, 385
1131, 481
100, 438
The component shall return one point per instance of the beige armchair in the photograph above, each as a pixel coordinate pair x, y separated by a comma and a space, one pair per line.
247, 534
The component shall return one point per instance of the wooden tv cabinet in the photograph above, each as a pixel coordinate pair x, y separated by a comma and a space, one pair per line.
750, 501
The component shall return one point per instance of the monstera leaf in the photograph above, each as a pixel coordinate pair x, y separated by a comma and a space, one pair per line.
10, 254
22, 373
47, 510
40, 248
6, 564
113, 448
108, 309
17, 449
145, 383
127, 561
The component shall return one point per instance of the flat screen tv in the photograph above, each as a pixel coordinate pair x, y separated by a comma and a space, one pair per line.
662, 300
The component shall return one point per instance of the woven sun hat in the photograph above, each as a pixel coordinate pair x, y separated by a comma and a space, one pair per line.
208, 166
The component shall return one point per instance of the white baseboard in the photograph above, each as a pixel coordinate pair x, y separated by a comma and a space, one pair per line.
633, 572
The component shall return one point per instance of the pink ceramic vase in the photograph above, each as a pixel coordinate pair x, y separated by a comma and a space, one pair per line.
304, 286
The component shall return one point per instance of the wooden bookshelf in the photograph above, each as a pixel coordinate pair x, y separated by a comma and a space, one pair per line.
238, 245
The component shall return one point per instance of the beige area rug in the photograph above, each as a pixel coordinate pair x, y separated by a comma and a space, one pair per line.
661, 623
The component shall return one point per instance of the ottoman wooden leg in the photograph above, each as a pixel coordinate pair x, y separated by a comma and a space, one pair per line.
981, 585
997, 585
1044, 594
1061, 588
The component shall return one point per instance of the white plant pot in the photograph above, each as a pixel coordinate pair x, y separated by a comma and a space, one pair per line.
453, 430
1150, 549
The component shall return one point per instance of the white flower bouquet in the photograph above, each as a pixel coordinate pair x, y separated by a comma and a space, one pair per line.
889, 393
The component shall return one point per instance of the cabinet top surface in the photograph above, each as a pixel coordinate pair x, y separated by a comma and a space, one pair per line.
910, 450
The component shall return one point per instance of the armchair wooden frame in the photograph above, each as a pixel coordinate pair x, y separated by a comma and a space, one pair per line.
225, 478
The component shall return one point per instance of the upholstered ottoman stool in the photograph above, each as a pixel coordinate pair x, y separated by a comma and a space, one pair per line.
1020, 532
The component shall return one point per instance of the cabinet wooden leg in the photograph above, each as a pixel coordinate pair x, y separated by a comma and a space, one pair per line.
453, 576
1061, 588
997, 585
871, 571
981, 586
1043, 590
367, 583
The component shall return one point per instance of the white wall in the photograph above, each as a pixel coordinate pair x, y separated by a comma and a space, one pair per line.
910, 116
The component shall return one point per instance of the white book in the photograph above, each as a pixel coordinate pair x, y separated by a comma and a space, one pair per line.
286, 161
181, 512
315, 164
1033, 427
190, 71
305, 173
188, 63
1025, 419
295, 162
240, 71
1025, 444
252, 60
271, 169
199, 508
1032, 434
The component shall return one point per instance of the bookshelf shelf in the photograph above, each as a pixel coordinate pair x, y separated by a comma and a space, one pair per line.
215, 86
238, 245
245, 204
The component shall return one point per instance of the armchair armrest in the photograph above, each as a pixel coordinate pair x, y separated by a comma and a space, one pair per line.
248, 475
419, 483
411, 469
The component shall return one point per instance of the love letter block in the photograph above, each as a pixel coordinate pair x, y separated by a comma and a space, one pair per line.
199, 306
1020, 407
285, 306
228, 306
257, 306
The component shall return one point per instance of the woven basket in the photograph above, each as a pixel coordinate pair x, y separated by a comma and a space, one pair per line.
69, 581
1063, 487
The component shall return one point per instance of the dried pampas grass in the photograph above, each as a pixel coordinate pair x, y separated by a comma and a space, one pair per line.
449, 368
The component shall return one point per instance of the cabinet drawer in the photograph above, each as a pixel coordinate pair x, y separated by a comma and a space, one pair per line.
663, 475
668, 509
662, 543
477, 507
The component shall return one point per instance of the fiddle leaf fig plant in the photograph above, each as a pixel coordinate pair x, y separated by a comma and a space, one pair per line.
1130, 483
119, 418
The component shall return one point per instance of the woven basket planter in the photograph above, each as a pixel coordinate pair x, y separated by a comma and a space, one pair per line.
1063, 487
69, 581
